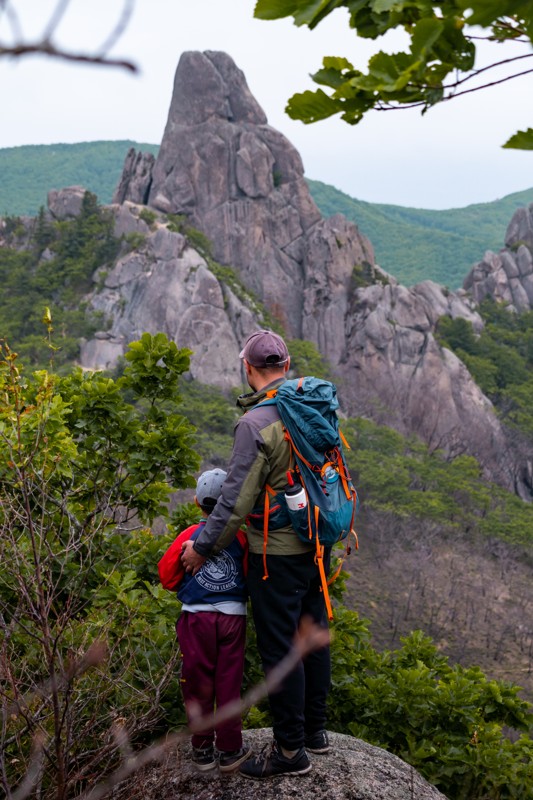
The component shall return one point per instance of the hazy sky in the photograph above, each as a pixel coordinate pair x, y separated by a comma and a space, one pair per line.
451, 157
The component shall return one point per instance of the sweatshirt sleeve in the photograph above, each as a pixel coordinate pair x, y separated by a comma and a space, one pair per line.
170, 568
247, 473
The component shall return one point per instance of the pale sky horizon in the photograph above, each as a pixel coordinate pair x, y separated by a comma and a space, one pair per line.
450, 158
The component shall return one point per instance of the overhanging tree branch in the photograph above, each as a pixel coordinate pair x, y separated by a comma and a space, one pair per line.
44, 45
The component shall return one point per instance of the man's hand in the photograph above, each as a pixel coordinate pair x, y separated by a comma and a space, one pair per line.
191, 560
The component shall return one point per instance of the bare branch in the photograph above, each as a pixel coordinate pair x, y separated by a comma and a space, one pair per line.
47, 49
120, 27
34, 770
55, 19
44, 45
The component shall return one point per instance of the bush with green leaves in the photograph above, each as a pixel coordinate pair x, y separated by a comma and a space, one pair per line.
87, 634
447, 721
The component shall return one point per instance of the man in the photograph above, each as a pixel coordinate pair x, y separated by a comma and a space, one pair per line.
261, 458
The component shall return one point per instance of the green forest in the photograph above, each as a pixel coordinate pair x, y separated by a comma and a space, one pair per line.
412, 244
89, 461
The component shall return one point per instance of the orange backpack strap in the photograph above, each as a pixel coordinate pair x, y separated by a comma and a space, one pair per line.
319, 558
268, 491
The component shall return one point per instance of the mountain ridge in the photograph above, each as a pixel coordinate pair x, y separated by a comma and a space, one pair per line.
413, 244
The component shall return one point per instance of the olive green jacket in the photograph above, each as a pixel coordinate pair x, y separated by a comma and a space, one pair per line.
260, 457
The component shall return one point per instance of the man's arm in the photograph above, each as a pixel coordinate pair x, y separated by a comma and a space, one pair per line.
247, 473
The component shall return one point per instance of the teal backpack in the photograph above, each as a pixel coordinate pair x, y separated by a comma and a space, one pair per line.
308, 411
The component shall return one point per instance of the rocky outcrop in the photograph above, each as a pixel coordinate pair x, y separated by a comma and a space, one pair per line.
507, 276
65, 203
395, 372
136, 178
241, 183
164, 285
353, 769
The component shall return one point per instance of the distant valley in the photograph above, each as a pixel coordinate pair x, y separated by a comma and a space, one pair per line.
412, 244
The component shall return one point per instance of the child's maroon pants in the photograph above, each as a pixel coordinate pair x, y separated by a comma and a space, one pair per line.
212, 647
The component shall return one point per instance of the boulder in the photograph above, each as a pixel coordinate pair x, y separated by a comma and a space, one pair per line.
65, 203
507, 276
353, 769
166, 286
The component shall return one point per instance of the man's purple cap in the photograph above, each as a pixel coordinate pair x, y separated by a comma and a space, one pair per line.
265, 349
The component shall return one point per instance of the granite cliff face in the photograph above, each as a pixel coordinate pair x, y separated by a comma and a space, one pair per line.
507, 276
242, 184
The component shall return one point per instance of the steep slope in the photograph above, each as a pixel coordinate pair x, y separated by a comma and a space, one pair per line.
30, 171
241, 183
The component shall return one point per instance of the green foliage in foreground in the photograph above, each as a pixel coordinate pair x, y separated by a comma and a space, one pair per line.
439, 54
500, 359
447, 721
88, 647
85, 643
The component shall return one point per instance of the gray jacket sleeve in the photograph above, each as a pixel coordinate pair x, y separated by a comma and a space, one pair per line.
247, 474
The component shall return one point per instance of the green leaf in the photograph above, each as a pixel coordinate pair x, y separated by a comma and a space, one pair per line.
522, 140
305, 12
275, 9
424, 36
486, 12
311, 106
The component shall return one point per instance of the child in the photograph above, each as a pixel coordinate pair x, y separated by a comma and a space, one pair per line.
211, 631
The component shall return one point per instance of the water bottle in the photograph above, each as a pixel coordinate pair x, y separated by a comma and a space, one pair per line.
295, 494
331, 475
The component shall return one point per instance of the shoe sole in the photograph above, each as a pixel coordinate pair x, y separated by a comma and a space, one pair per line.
278, 774
204, 767
236, 764
320, 752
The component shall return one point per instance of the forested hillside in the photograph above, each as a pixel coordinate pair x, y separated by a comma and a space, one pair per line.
415, 244
29, 172
412, 244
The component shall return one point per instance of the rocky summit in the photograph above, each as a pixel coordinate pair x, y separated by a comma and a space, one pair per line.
239, 182
507, 276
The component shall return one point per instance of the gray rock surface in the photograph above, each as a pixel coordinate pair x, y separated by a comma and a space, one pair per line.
65, 203
136, 178
507, 276
242, 184
165, 286
396, 373
353, 770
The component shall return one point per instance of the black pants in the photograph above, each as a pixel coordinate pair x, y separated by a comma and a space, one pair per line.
291, 591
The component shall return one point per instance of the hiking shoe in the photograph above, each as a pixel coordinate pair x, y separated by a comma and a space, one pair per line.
317, 742
203, 758
271, 761
230, 760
